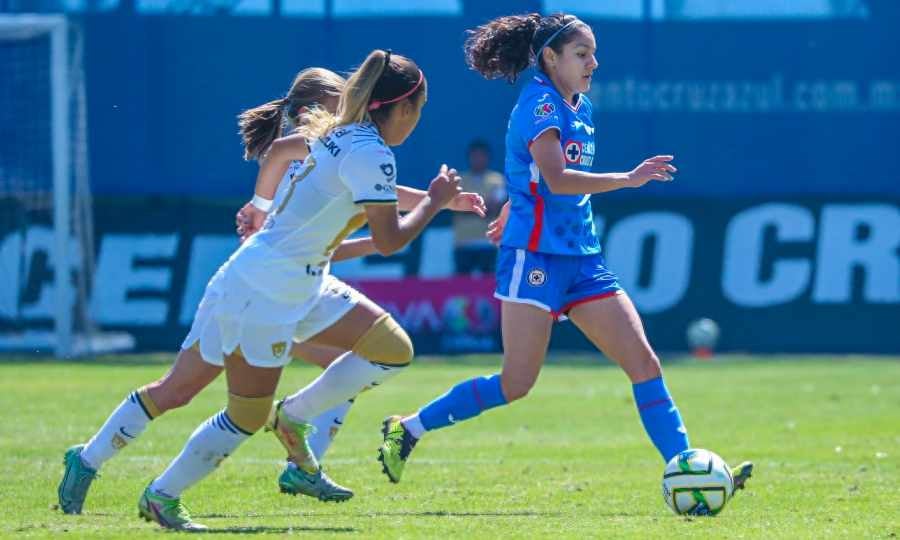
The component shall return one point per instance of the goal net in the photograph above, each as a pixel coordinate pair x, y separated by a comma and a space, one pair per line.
46, 235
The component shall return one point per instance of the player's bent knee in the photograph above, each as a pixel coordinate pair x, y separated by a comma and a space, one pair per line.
515, 389
385, 342
644, 368
249, 414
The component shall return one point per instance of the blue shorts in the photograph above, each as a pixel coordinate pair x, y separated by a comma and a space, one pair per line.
555, 283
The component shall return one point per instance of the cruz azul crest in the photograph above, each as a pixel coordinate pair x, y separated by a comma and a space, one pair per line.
579, 152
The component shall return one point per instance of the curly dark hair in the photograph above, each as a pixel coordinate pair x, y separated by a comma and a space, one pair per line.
506, 46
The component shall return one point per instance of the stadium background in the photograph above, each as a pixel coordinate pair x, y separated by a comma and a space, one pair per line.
783, 224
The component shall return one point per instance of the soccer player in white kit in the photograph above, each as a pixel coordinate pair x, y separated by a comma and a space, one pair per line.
251, 308
281, 159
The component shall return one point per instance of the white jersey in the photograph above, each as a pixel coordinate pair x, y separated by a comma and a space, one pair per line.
323, 204
284, 185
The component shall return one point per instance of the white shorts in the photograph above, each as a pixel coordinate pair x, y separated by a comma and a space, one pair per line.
221, 325
336, 299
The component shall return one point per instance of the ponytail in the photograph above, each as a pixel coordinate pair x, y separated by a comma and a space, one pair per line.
260, 126
502, 47
383, 80
354, 104
507, 46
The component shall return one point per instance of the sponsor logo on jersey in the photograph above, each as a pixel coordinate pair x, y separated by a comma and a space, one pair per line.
572, 151
387, 188
544, 110
387, 169
278, 349
294, 168
578, 124
579, 152
537, 277
330, 145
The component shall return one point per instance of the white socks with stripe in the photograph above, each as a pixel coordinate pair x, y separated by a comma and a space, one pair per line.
212, 442
124, 425
342, 380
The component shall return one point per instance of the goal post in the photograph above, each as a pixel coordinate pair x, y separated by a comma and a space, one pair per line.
46, 218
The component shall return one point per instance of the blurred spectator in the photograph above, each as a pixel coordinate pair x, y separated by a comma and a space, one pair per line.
473, 253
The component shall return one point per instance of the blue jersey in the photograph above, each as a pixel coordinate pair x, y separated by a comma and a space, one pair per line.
539, 220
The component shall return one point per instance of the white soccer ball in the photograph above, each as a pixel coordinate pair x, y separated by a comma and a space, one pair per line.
703, 334
697, 482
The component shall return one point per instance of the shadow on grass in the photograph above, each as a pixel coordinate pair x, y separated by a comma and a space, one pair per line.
375, 513
447, 513
282, 530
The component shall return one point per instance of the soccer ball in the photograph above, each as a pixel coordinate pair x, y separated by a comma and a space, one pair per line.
697, 482
703, 334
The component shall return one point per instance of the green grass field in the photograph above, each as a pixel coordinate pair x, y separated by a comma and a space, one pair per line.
571, 460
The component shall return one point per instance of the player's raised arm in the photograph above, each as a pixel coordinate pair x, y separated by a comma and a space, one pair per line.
408, 198
275, 163
261, 129
550, 160
272, 169
421, 206
390, 233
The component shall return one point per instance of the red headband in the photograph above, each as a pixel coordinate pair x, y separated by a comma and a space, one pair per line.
376, 103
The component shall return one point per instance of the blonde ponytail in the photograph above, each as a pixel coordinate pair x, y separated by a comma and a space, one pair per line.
353, 106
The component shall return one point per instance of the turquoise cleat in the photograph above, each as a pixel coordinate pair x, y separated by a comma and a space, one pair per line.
296, 481
76, 481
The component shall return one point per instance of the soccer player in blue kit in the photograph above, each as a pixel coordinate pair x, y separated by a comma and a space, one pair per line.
550, 264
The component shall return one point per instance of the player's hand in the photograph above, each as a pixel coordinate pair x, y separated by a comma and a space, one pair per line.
496, 227
248, 220
468, 202
656, 168
445, 186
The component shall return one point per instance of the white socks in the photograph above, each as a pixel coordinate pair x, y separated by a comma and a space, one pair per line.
343, 379
213, 441
124, 425
414, 425
327, 425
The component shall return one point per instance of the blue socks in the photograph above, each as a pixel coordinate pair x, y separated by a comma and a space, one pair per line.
660, 417
465, 400
470, 398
